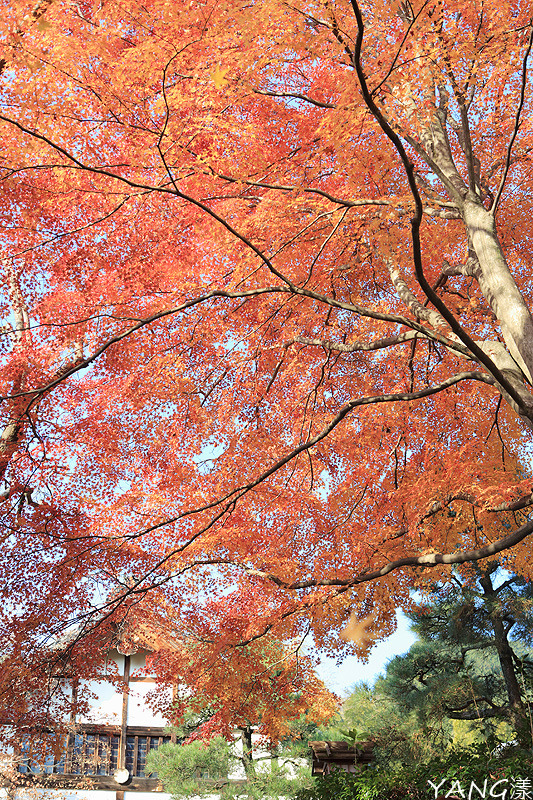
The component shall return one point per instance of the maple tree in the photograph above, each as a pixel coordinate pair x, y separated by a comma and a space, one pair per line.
267, 343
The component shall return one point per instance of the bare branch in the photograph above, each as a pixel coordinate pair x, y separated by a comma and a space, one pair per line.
425, 560
229, 502
418, 309
296, 96
378, 201
243, 489
469, 269
512, 505
442, 213
62, 235
18, 304
444, 210
355, 347
325, 243
410, 18
85, 362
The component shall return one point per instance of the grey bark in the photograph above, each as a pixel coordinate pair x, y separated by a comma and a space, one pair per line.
498, 285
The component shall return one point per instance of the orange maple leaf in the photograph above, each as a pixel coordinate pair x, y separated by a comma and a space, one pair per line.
357, 630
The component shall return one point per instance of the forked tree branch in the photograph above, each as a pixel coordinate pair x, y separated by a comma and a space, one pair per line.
526, 409
230, 500
36, 393
466, 497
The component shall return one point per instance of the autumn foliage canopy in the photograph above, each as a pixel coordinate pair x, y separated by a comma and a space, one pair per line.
266, 343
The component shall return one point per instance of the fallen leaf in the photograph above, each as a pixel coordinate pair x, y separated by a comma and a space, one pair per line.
218, 77
357, 630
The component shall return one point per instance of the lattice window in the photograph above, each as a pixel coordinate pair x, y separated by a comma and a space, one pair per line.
88, 753
137, 748
91, 754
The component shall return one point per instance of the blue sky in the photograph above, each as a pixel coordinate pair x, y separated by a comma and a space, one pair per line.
340, 678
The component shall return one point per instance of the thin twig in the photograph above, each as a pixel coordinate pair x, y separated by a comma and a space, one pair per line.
516, 124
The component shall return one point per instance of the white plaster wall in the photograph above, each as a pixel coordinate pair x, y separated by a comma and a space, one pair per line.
105, 702
114, 663
146, 796
262, 758
32, 793
236, 768
236, 771
139, 711
138, 662
104, 697
290, 767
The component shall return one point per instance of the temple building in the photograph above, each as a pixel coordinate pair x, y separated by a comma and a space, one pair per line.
103, 754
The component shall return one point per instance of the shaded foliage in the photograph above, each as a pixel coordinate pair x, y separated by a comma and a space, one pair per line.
472, 764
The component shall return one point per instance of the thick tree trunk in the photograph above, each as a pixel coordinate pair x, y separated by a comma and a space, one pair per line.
491, 271
14, 428
498, 285
247, 752
505, 657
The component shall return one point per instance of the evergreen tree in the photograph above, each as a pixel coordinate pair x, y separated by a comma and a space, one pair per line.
400, 736
221, 768
473, 660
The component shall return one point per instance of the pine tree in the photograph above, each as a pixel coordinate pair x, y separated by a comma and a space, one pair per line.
473, 660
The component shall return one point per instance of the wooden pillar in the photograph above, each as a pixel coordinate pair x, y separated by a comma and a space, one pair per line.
125, 696
173, 731
74, 707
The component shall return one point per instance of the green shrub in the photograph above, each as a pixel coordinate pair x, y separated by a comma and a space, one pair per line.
472, 764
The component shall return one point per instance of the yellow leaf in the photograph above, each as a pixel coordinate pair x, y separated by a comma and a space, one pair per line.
218, 77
